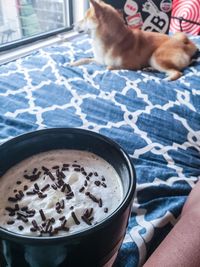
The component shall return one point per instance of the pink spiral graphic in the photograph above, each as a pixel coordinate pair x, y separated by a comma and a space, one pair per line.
188, 9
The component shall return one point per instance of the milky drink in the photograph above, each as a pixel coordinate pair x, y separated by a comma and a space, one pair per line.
58, 192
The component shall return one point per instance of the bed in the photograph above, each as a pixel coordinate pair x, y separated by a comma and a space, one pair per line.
155, 121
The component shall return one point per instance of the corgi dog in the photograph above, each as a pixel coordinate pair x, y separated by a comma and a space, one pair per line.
119, 47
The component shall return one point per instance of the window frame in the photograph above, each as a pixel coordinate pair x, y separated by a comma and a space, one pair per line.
68, 5
1, 15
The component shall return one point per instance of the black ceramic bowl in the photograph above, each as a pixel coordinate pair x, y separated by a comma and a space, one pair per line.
89, 248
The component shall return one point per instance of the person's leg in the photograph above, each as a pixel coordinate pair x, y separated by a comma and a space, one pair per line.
182, 245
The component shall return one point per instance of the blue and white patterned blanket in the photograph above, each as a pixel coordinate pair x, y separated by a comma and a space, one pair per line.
155, 121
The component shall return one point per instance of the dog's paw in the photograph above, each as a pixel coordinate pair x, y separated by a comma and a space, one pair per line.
82, 61
109, 68
112, 68
173, 75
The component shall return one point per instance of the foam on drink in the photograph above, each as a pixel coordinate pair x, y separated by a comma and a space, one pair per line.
58, 192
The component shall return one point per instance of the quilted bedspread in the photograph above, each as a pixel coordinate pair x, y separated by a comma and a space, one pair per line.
155, 121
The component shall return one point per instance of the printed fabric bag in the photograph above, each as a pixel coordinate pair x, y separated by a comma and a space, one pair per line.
148, 15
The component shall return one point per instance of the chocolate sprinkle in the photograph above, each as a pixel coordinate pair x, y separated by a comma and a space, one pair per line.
85, 219
106, 210
32, 229
93, 197
100, 203
65, 229
103, 178
35, 170
62, 218
21, 193
48, 226
54, 186
35, 176
24, 219
76, 165
91, 219
12, 199
32, 177
60, 174
58, 205
88, 212
31, 193
45, 169
9, 209
77, 170
75, 218
42, 215
64, 223
68, 187
18, 196
63, 188
40, 195
36, 187
52, 220
18, 182
51, 176
65, 169
44, 224
58, 208
66, 165
81, 189
21, 227
10, 222
25, 208
55, 167
11, 214
34, 223
45, 187
97, 183
59, 184
30, 213
104, 185
25, 187
21, 214
69, 195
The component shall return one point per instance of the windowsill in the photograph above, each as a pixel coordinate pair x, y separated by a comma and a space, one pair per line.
25, 50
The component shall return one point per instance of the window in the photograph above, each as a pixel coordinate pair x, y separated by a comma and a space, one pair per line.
23, 21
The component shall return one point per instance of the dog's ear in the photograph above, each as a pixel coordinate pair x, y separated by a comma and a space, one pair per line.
97, 7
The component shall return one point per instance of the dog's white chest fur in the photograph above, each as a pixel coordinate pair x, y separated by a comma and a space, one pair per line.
103, 55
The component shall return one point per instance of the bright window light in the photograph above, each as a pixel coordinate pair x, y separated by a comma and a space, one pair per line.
27, 20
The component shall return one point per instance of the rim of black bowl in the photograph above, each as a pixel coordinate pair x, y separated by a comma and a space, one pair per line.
28, 239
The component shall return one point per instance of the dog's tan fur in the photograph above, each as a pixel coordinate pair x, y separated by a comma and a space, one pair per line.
119, 47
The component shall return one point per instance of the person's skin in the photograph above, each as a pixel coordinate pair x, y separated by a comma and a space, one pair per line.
181, 247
